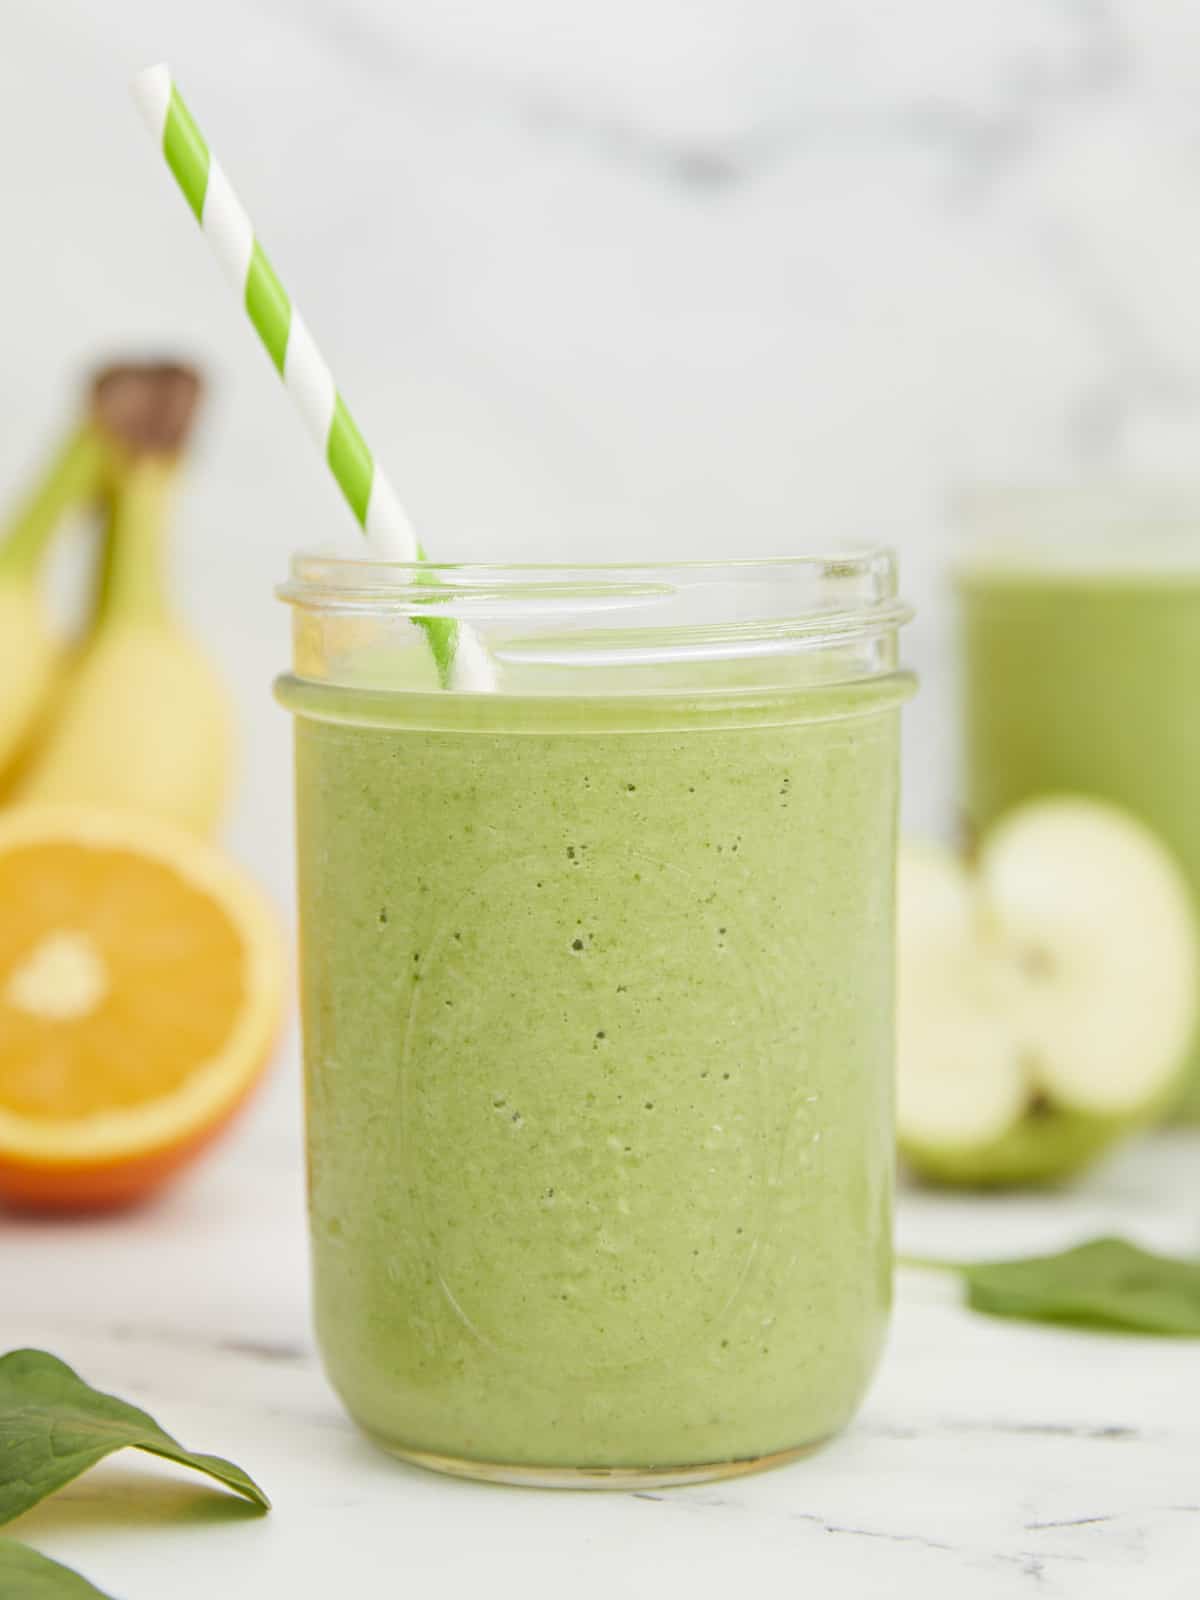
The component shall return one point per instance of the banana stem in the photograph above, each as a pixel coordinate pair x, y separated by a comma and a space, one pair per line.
133, 584
74, 477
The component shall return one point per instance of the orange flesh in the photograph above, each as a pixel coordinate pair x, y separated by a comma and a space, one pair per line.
174, 979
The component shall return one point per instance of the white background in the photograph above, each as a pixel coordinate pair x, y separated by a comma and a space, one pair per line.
667, 278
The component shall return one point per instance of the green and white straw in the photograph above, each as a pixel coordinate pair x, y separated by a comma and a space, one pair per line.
291, 347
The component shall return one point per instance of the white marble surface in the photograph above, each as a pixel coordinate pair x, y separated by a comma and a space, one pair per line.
991, 1459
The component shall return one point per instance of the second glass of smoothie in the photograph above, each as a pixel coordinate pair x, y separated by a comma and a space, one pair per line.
597, 991
1081, 627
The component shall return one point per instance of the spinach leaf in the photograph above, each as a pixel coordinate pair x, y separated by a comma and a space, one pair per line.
53, 1426
33, 1576
1107, 1283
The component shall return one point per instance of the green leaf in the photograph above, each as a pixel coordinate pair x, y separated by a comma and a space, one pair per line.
53, 1426
1107, 1283
27, 1573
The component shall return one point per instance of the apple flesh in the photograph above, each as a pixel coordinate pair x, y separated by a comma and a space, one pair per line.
1047, 993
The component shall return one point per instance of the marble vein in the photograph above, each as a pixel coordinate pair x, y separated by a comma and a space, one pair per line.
980, 143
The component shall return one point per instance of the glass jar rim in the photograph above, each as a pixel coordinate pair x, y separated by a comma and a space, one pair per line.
838, 589
714, 629
1092, 529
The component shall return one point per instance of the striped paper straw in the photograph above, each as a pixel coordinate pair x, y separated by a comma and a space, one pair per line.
294, 352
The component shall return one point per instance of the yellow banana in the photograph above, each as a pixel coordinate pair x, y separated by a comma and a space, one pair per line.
144, 723
31, 651
29, 661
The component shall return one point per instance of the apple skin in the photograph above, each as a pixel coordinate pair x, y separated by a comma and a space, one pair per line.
1049, 1146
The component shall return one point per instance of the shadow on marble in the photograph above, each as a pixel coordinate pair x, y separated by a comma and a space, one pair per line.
116, 1497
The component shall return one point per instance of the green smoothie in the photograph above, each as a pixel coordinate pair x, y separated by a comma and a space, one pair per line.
1081, 677
598, 1015
597, 978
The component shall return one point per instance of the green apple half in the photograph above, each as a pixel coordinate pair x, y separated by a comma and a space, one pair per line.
1048, 993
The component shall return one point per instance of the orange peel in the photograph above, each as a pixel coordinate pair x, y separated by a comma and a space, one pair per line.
141, 991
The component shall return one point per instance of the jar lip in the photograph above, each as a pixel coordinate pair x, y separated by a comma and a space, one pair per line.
1087, 529
832, 616
852, 580
1103, 503
837, 553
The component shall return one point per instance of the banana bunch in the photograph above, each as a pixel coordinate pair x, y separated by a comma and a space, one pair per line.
132, 717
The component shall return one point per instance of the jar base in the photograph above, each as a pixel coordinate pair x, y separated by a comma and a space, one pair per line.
626, 1478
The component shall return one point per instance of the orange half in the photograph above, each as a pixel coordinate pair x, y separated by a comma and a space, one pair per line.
141, 989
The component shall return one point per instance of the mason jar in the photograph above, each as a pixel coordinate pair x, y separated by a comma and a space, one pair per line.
596, 896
